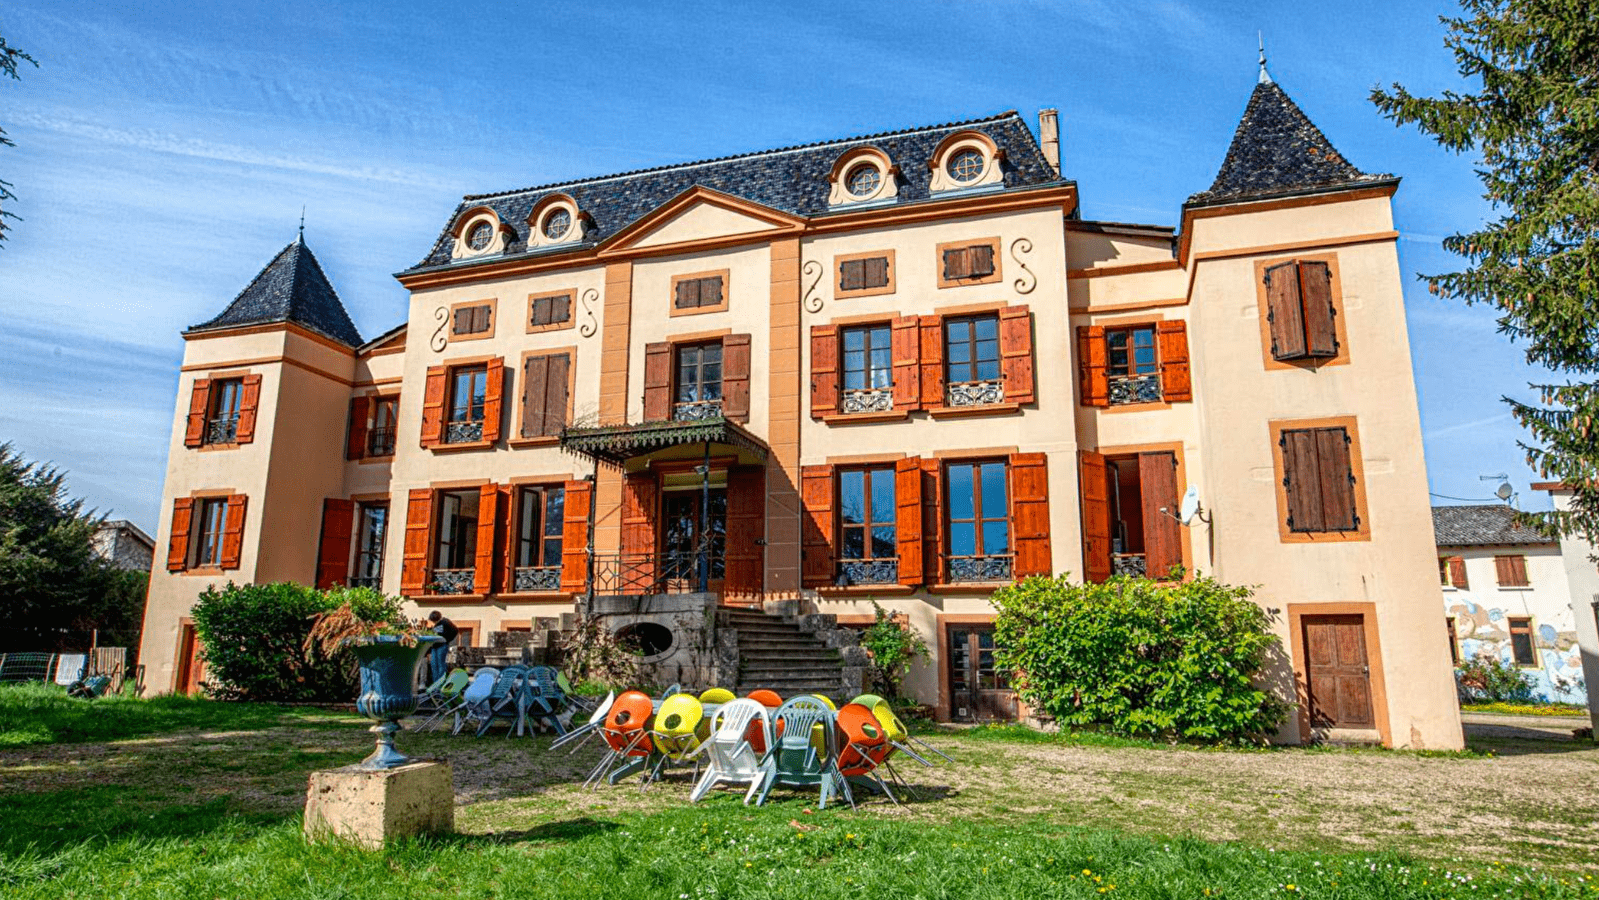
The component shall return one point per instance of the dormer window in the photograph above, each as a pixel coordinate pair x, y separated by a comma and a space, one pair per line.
555, 220
966, 165
862, 175
964, 160
480, 233
556, 223
863, 180
478, 238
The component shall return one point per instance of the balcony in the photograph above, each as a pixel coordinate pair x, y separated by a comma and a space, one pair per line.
222, 430
655, 573
380, 442
975, 393
1129, 389
695, 410
531, 579
463, 432
453, 581
868, 400
868, 571
965, 569
375, 582
1130, 564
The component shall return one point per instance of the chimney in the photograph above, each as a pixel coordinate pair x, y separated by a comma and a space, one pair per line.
1049, 137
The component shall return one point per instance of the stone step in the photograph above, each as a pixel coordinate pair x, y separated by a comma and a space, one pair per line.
779, 673
785, 654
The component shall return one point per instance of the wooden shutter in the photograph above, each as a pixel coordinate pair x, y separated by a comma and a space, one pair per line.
433, 406
1502, 573
556, 393
956, 264
1316, 303
640, 516
934, 552
824, 370
333, 550
688, 293
1094, 486
249, 402
876, 274
746, 531
488, 523
1163, 537
657, 382
493, 400
980, 260
575, 537
178, 540
535, 400
1511, 571
418, 542
199, 407
1093, 382
1337, 480
711, 291
355, 437
852, 275
1016, 354
1029, 515
509, 536
816, 492
1457, 573
905, 344
1283, 311
1302, 479
908, 518
1175, 383
932, 362
736, 377
233, 534
560, 309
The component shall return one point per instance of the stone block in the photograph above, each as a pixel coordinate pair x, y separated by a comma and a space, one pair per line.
371, 807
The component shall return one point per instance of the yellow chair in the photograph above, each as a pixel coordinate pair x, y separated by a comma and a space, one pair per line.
895, 729
718, 695
680, 726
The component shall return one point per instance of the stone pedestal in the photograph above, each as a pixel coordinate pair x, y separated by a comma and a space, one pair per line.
372, 807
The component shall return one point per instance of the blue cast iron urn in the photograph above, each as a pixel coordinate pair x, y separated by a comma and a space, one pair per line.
388, 667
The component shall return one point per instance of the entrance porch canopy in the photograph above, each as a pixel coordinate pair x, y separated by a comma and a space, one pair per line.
616, 444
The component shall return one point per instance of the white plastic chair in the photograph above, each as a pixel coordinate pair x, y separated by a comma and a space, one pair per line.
476, 695
731, 758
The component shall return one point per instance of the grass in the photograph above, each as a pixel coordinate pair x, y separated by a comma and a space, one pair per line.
35, 714
1527, 709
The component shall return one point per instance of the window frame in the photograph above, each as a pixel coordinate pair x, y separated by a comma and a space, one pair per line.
946, 509
203, 539
444, 539
1525, 629
678, 350
972, 343
1362, 530
490, 303
540, 542
869, 473
363, 553
1132, 330
381, 402
450, 398
220, 389
869, 328
570, 321
701, 309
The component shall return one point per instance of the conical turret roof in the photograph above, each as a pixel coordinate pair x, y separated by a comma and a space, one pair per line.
292, 288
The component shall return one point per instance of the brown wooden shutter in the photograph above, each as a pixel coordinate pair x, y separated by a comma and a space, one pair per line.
1163, 537
816, 492
355, 437
199, 408
1093, 382
824, 370
876, 274
657, 382
488, 524
746, 531
1337, 480
493, 399
509, 537
333, 550
1301, 479
535, 401
418, 543
908, 518
640, 514
1316, 302
1175, 383
852, 275
1502, 571
934, 552
1029, 515
249, 402
556, 393
932, 362
736, 377
906, 344
1457, 572
980, 260
433, 406
1518, 571
711, 291
956, 264
233, 534
1094, 486
182, 527
1284, 312
575, 537
1016, 354
688, 293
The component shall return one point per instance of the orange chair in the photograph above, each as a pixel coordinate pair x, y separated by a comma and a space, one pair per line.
766, 698
627, 734
863, 746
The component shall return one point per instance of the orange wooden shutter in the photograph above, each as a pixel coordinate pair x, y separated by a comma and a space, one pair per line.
433, 407
932, 362
1094, 488
199, 407
233, 534
1093, 384
1502, 573
333, 551
934, 552
182, 527
488, 520
509, 536
1163, 537
418, 542
249, 402
640, 507
1457, 572
355, 437
746, 531
1016, 354
816, 491
1029, 515
736, 377
1284, 312
657, 382
493, 399
575, 537
1315, 294
1175, 383
906, 345
908, 518
824, 370
1518, 571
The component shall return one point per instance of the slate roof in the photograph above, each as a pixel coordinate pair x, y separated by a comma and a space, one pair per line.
1277, 150
791, 179
1468, 526
292, 288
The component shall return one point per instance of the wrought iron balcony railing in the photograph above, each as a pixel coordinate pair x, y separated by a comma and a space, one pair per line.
527, 579
1133, 564
463, 432
975, 393
453, 581
380, 442
222, 430
695, 410
980, 568
1125, 389
868, 571
868, 400
654, 573
375, 582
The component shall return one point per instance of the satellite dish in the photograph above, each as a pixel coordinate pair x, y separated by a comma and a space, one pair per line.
1190, 507
1504, 491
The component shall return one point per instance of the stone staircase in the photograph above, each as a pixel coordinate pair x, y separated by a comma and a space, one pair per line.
794, 654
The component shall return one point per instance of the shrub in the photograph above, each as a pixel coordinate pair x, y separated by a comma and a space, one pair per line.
593, 653
1141, 658
893, 646
1487, 678
253, 638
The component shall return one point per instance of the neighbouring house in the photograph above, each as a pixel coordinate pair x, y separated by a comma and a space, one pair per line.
1506, 595
124, 545
1582, 579
729, 403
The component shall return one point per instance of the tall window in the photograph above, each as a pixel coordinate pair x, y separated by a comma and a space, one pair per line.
978, 511
971, 348
699, 380
540, 523
455, 554
469, 386
222, 425
385, 414
369, 535
868, 358
208, 534
866, 514
1521, 645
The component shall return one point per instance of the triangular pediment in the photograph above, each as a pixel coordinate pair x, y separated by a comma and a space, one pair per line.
701, 217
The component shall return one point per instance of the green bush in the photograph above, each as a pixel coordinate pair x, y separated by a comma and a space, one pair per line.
1488, 679
1141, 658
252, 639
893, 645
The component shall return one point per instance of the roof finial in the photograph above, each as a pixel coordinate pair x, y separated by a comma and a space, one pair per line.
301, 238
1264, 78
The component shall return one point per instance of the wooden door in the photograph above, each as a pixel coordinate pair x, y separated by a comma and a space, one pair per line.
191, 668
1338, 672
978, 691
682, 539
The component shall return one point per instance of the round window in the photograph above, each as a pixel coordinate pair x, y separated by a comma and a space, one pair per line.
557, 223
645, 638
966, 165
862, 181
480, 235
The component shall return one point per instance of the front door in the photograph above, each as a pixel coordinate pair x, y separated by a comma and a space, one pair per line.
682, 538
978, 692
191, 668
1338, 672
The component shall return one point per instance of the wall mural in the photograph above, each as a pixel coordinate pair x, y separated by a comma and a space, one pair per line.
1484, 631
440, 339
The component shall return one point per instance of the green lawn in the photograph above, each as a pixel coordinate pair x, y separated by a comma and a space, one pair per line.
202, 799
1527, 709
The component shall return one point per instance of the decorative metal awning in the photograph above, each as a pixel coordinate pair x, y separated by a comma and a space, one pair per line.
616, 444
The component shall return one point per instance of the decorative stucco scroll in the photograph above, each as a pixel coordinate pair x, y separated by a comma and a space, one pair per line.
813, 299
1025, 282
588, 328
440, 340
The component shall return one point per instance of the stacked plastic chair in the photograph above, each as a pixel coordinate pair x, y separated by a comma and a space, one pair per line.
798, 758
732, 756
626, 731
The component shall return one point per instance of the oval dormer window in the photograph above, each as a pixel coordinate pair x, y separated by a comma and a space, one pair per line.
863, 180
966, 165
480, 235
557, 223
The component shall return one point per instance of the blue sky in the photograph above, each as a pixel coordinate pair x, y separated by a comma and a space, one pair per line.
165, 150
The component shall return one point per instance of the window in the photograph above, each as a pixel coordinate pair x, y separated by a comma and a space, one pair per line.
1512, 570
540, 524
868, 369
479, 236
468, 394
968, 264
966, 164
863, 180
971, 361
866, 274
1130, 351
1299, 310
1521, 645
1454, 641
977, 513
1319, 479
700, 293
1133, 364
371, 528
385, 415
545, 394
557, 223
866, 525
208, 535
455, 549
222, 421
474, 319
1452, 572
699, 381
549, 312
862, 175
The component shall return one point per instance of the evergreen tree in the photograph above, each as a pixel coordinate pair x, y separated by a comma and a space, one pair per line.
10, 58
1535, 124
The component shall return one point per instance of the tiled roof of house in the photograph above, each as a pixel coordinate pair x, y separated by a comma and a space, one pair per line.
1467, 526
790, 179
1277, 150
292, 288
